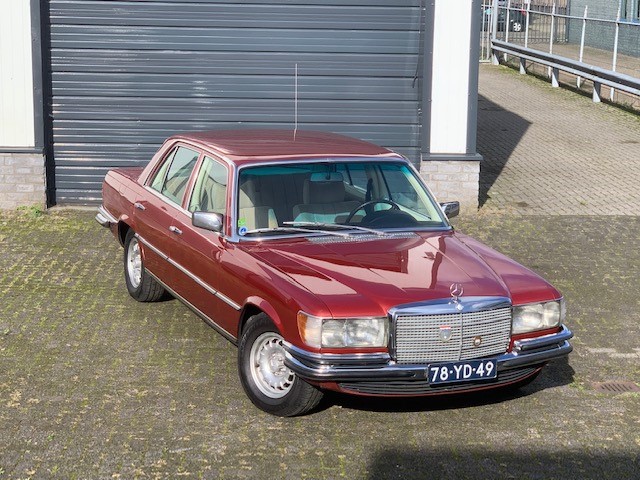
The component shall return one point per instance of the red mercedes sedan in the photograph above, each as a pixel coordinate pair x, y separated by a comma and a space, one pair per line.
329, 264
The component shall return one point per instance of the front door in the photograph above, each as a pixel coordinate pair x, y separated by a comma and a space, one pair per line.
199, 251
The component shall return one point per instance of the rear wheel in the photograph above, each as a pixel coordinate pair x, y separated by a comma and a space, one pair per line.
141, 286
267, 381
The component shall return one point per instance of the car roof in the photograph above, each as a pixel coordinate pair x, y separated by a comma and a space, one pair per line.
243, 146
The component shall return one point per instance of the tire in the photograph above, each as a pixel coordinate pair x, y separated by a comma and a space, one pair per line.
516, 26
268, 383
141, 286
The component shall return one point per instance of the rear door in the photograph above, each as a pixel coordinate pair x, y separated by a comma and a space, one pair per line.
160, 203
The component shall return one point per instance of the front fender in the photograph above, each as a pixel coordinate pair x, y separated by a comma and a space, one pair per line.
258, 303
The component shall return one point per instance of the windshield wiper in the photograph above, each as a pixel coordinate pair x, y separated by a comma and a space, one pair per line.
292, 230
314, 225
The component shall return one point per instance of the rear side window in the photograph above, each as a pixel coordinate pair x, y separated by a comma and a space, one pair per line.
173, 176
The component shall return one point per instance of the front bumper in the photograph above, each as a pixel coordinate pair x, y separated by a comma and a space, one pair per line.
368, 367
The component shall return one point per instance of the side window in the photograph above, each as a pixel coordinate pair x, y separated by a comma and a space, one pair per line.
158, 180
210, 190
178, 167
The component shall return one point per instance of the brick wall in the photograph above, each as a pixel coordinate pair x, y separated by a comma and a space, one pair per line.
454, 180
22, 180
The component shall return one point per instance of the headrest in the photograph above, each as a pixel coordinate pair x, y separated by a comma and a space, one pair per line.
323, 187
247, 197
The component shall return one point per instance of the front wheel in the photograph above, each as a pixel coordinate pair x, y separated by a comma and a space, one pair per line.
267, 381
141, 286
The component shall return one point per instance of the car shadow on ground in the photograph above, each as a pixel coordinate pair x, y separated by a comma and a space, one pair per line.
499, 133
555, 374
500, 460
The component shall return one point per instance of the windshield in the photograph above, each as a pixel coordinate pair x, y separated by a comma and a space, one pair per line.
333, 196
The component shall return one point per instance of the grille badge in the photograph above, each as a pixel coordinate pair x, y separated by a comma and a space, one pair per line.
445, 333
477, 341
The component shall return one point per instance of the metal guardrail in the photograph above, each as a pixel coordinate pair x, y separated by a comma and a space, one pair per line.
599, 76
534, 19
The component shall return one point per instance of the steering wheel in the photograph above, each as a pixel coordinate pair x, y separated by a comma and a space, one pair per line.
394, 206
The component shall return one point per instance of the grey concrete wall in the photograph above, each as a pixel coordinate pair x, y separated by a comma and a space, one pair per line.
22, 180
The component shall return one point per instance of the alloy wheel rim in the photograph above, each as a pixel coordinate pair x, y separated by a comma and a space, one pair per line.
268, 370
134, 263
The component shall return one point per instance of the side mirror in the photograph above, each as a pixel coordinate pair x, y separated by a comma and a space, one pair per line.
450, 209
208, 220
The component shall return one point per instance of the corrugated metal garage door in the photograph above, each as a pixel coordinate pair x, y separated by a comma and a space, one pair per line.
127, 74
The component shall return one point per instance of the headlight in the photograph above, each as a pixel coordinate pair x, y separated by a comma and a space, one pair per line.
538, 316
342, 332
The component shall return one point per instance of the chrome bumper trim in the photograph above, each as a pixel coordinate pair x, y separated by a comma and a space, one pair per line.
544, 341
380, 366
104, 218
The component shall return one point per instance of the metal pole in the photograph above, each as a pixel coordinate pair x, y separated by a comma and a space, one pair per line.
553, 23
494, 30
523, 66
615, 52
526, 32
494, 19
507, 25
584, 28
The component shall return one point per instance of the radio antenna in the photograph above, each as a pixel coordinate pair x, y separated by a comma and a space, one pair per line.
295, 103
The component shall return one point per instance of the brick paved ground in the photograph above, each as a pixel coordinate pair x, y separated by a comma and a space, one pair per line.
551, 151
96, 385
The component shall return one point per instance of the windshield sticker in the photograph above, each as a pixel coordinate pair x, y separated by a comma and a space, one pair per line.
242, 226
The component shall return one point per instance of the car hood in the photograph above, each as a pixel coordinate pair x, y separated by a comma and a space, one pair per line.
364, 276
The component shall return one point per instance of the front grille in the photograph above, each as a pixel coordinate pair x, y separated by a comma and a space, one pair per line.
418, 339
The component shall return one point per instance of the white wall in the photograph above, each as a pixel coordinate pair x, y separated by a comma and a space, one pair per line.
16, 76
450, 77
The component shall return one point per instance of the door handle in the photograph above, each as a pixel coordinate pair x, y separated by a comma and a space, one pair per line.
139, 206
175, 230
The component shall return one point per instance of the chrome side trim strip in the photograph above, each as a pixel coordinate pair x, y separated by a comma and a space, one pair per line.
228, 301
193, 277
151, 247
197, 311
